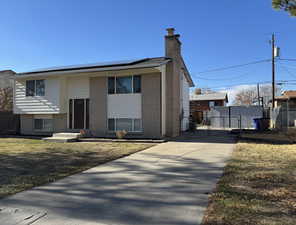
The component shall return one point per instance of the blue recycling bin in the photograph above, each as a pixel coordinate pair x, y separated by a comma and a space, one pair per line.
257, 123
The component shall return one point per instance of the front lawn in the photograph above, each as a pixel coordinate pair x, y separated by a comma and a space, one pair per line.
26, 163
258, 187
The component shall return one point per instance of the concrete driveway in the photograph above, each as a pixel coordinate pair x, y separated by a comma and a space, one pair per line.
167, 184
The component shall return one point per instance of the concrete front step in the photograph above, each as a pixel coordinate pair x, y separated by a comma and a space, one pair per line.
66, 135
60, 139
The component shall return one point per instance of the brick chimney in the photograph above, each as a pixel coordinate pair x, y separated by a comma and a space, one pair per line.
173, 83
172, 44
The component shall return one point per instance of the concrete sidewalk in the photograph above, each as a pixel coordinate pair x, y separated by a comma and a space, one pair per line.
167, 184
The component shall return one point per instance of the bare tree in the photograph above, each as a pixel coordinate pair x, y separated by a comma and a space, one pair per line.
245, 97
249, 96
6, 99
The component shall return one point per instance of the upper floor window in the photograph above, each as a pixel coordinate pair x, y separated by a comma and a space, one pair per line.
212, 103
35, 88
124, 85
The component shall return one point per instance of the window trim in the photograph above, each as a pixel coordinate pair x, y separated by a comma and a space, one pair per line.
42, 129
132, 85
35, 88
133, 125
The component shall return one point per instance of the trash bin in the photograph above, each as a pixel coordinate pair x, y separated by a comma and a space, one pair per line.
265, 123
256, 123
261, 123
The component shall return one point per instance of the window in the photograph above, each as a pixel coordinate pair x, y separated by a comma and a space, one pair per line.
43, 124
35, 88
111, 124
38, 124
137, 125
130, 125
137, 84
40, 88
211, 103
124, 85
111, 85
124, 124
30, 87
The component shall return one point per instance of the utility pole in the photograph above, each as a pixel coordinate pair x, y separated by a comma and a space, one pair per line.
258, 93
273, 70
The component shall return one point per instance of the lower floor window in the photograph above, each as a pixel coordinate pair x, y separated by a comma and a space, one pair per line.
127, 124
43, 124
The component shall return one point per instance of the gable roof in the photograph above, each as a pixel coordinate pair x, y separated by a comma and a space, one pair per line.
209, 97
116, 65
287, 95
106, 66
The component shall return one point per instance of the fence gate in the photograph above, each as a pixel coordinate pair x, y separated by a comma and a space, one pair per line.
237, 117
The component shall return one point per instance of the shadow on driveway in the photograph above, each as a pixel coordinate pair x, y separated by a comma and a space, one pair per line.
166, 184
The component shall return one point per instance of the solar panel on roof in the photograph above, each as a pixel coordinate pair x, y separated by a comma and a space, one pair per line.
85, 65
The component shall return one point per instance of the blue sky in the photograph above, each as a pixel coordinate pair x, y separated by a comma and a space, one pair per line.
37, 34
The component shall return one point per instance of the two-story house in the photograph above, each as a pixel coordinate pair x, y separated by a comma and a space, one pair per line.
148, 97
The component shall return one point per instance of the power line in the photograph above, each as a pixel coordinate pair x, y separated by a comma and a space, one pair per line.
288, 59
279, 82
222, 79
235, 66
287, 70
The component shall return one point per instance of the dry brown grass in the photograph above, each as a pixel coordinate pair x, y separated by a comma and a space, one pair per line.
27, 163
269, 136
258, 187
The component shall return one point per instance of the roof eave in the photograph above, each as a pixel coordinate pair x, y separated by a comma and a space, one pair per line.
55, 73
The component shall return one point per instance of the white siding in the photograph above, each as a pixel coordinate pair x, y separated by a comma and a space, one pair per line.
125, 106
37, 104
78, 87
185, 103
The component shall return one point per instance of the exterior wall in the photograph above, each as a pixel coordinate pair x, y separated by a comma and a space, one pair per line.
151, 105
59, 123
57, 93
173, 83
48, 104
204, 105
63, 95
185, 104
98, 106
103, 106
78, 87
125, 106
291, 102
27, 124
145, 106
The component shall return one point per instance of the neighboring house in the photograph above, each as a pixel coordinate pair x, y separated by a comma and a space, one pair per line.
9, 123
284, 113
6, 90
287, 98
200, 103
149, 97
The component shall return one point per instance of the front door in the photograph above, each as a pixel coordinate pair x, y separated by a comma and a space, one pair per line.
78, 114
